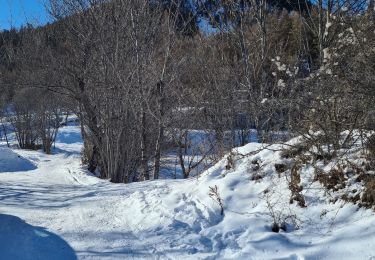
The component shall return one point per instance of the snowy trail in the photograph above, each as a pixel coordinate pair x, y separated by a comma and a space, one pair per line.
99, 219
51, 208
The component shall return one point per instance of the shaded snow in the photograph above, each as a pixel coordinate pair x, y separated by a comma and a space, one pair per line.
12, 162
19, 240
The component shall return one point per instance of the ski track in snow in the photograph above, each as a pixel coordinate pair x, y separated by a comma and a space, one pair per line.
164, 219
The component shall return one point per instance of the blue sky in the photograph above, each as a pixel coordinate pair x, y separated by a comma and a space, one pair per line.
14, 13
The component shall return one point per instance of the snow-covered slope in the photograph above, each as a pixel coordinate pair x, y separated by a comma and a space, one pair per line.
80, 216
255, 196
12, 162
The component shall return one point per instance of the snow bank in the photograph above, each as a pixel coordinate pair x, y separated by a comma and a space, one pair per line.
19, 240
12, 162
255, 196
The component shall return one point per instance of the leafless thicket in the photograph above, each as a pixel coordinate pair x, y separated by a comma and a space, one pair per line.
142, 74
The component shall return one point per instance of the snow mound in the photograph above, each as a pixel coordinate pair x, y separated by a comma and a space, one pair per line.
12, 162
20, 240
256, 195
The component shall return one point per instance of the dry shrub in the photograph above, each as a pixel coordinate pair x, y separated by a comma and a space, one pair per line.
296, 187
255, 165
230, 161
334, 180
351, 198
280, 168
305, 159
215, 195
370, 146
363, 177
256, 177
294, 151
368, 197
324, 156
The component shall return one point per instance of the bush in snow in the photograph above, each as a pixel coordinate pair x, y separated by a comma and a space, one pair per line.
368, 197
296, 187
215, 195
370, 145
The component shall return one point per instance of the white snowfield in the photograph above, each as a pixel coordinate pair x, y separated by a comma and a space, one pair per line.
51, 208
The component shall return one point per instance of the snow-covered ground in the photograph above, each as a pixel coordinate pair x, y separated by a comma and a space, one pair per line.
52, 208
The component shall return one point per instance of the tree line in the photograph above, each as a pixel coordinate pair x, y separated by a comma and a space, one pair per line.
141, 74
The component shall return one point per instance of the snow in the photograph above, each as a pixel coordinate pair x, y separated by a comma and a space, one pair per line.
57, 210
16, 235
12, 162
321, 231
281, 83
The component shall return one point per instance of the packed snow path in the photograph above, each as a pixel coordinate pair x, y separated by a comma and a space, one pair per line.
51, 208
99, 219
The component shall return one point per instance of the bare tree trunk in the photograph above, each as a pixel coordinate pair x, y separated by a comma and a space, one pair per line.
263, 30
185, 174
371, 8
161, 100
144, 167
158, 152
321, 31
5, 134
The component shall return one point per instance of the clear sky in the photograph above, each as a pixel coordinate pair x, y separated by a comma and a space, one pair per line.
14, 13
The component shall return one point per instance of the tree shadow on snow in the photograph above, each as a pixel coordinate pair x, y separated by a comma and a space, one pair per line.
69, 137
19, 240
12, 162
